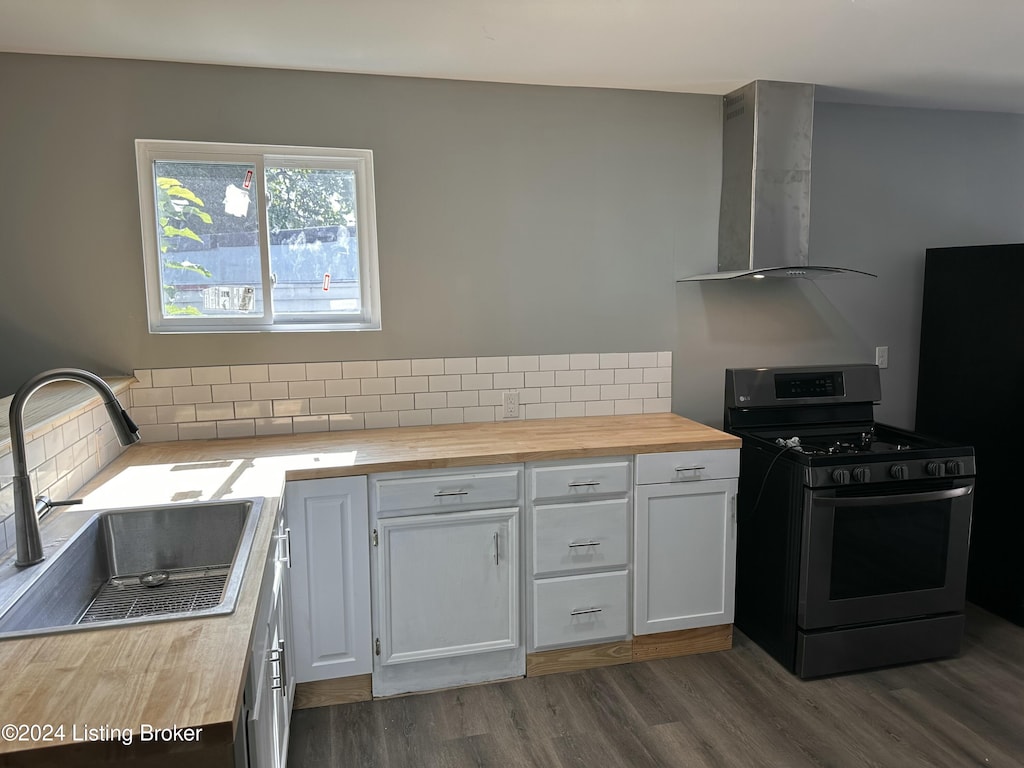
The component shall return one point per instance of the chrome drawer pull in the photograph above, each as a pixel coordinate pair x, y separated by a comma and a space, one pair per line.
496, 549
286, 537
574, 544
582, 611
275, 684
689, 469
584, 483
440, 494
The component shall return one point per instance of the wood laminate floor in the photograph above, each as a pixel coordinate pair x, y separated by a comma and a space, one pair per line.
735, 708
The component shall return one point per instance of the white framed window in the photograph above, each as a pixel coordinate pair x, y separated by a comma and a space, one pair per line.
251, 237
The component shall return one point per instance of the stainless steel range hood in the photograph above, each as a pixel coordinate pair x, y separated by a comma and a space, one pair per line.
764, 220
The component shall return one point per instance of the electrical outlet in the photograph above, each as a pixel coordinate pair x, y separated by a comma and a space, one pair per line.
882, 357
510, 405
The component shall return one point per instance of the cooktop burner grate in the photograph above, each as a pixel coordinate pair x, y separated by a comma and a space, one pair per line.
184, 591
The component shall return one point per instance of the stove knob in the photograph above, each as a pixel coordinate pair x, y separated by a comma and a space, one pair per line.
862, 475
935, 468
955, 467
841, 476
898, 471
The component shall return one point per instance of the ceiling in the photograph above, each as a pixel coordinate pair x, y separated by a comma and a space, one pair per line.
923, 53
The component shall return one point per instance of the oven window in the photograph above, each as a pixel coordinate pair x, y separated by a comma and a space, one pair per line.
889, 549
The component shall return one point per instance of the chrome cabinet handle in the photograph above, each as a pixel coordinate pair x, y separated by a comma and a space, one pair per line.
286, 537
459, 492
496, 548
584, 611
584, 483
574, 544
689, 469
282, 668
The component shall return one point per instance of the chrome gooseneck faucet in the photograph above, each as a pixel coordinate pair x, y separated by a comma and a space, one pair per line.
26, 507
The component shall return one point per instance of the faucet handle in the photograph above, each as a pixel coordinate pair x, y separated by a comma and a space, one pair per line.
44, 504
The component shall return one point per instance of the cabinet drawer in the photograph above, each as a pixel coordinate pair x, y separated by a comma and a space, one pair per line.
581, 536
434, 492
687, 466
580, 609
580, 480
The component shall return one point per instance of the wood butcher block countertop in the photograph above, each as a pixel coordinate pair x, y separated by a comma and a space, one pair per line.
191, 673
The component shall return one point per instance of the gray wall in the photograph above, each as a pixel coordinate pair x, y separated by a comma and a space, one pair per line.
511, 219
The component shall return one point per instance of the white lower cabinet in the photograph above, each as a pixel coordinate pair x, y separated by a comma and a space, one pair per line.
271, 685
685, 554
446, 587
330, 577
577, 610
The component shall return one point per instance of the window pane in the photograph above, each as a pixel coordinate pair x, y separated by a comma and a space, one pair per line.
208, 234
314, 248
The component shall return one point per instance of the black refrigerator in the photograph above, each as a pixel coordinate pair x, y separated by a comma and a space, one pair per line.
970, 389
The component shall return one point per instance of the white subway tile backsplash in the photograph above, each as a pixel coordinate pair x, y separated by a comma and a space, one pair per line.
236, 428
149, 397
213, 374
274, 390
287, 372
478, 381
175, 414
460, 365
199, 430
413, 418
641, 391
658, 405
569, 378
478, 413
254, 409
564, 410
214, 411
298, 389
446, 416
291, 407
189, 395
523, 363
463, 399
341, 422
431, 367
53, 443
378, 386
539, 411
71, 431
643, 359
323, 371
514, 380
172, 377
491, 364
404, 402
272, 426
247, 374
381, 419
540, 379
282, 398
554, 362
341, 387
394, 368
360, 369
629, 375
445, 383
363, 403
224, 393
319, 405
320, 423
406, 384
431, 400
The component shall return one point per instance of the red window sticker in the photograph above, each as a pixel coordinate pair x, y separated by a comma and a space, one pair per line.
327, 281
248, 179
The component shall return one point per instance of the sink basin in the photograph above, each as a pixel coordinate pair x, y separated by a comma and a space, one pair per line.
132, 566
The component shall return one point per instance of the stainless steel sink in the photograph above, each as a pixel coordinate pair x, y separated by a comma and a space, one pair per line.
131, 566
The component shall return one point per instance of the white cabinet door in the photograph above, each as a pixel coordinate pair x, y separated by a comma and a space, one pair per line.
685, 555
447, 585
330, 578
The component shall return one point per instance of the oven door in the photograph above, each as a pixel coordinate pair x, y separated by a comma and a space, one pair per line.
886, 553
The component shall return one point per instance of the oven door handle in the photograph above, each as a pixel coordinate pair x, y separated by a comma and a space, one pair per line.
898, 498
